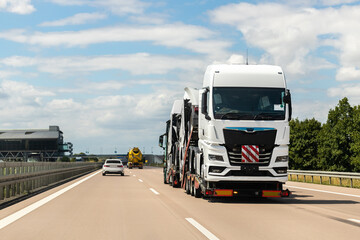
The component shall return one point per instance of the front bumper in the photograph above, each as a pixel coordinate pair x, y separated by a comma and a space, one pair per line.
215, 171
211, 178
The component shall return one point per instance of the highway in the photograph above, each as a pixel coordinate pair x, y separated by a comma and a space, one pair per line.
139, 206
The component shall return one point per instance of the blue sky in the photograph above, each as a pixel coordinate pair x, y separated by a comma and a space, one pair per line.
107, 71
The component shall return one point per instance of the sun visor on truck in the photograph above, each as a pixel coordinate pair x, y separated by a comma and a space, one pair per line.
249, 80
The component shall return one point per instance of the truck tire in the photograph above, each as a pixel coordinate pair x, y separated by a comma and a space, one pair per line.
173, 182
192, 187
197, 192
187, 186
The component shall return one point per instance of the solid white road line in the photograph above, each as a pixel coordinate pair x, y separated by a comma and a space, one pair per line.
140, 180
354, 220
316, 190
203, 230
19, 214
154, 191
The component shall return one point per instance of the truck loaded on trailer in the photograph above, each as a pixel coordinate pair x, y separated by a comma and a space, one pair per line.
231, 137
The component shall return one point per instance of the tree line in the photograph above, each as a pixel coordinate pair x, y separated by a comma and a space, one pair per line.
332, 146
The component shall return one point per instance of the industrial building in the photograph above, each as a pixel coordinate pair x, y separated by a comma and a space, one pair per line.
33, 145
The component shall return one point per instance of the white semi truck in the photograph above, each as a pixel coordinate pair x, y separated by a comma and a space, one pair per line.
231, 137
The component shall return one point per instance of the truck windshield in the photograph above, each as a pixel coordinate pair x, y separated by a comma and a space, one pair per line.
248, 103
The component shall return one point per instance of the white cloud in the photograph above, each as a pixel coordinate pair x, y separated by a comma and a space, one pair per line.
68, 105
20, 99
17, 6
119, 7
137, 64
23, 89
318, 3
236, 59
337, 2
93, 87
291, 36
131, 111
93, 121
312, 109
19, 61
77, 19
351, 91
194, 38
7, 74
149, 19
348, 74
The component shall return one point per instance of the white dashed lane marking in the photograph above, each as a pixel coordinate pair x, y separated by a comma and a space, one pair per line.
354, 220
203, 230
154, 191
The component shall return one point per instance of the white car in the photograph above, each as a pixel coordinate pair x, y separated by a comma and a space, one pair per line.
113, 166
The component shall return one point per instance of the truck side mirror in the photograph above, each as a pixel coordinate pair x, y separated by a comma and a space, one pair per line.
204, 104
287, 100
161, 141
287, 97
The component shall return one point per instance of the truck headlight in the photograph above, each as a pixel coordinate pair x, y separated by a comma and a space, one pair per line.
282, 159
213, 157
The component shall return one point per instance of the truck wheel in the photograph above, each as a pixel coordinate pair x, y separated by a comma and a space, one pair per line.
173, 182
197, 192
187, 186
192, 188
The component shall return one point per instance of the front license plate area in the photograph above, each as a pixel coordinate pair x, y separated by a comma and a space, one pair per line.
249, 169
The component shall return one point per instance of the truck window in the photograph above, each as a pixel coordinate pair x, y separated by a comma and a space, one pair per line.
240, 103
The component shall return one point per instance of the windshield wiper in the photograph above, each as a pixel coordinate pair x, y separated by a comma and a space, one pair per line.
236, 116
229, 115
264, 115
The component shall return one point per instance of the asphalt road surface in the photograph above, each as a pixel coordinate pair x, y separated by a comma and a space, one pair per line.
139, 206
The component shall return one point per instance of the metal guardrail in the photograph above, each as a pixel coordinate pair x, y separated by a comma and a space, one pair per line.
21, 178
322, 174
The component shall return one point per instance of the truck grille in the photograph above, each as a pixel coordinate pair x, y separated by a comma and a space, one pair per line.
236, 138
265, 153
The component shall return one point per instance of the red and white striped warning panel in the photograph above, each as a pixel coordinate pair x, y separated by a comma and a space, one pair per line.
250, 153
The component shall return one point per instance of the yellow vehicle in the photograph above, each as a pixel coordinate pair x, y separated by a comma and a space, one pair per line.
135, 158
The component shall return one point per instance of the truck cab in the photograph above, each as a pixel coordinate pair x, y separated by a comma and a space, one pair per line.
243, 126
